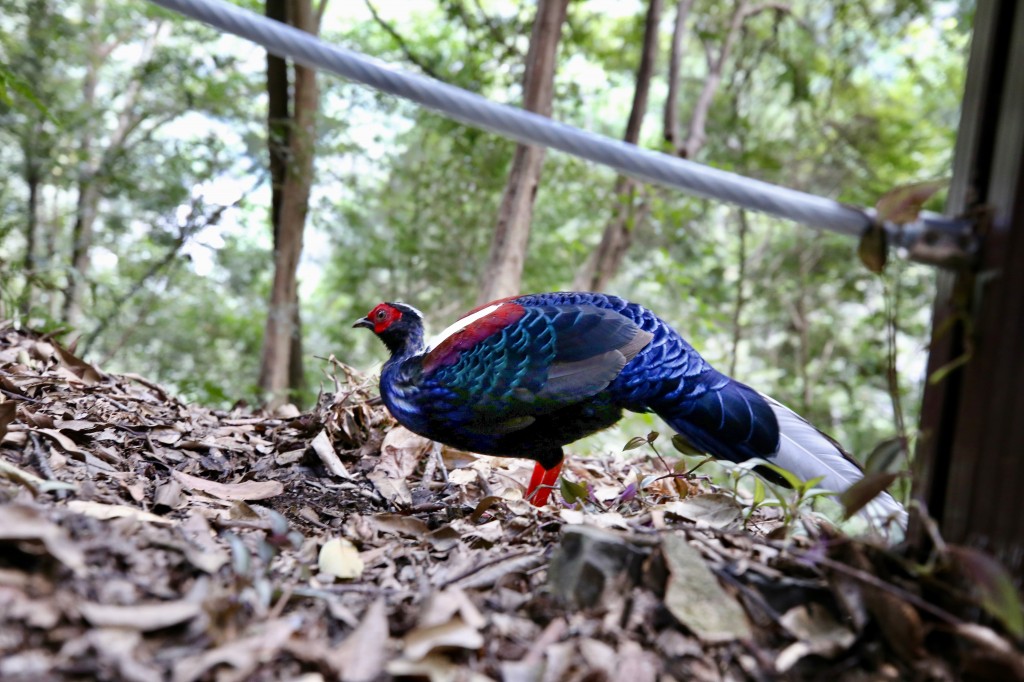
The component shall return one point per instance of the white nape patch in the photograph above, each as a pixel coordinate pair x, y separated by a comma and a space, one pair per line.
460, 324
412, 308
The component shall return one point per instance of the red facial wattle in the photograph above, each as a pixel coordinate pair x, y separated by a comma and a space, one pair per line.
383, 316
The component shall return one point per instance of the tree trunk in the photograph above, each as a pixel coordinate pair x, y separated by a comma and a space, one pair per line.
503, 273
281, 339
673, 135
968, 469
698, 120
278, 142
88, 196
35, 154
96, 163
81, 242
605, 261
33, 180
741, 298
277, 118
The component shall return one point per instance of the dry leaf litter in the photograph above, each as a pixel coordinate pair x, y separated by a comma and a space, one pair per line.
142, 538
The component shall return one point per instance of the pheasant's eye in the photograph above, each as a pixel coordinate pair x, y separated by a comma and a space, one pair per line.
381, 314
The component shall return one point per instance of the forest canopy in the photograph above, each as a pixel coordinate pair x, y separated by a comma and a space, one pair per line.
135, 209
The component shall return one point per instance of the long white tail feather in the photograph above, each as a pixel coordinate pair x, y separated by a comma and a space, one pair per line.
808, 453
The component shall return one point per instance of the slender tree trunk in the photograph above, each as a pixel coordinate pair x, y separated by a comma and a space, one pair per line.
85, 207
281, 341
33, 180
34, 153
278, 143
605, 261
56, 228
673, 135
699, 119
503, 273
697, 135
741, 299
277, 118
96, 163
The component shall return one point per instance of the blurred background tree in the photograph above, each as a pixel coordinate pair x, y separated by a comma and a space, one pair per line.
136, 215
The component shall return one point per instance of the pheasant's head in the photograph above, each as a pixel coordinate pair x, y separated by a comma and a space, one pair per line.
398, 325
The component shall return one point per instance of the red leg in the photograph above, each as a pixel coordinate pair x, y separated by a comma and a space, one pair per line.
541, 483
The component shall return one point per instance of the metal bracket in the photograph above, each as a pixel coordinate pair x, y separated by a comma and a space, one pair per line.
934, 239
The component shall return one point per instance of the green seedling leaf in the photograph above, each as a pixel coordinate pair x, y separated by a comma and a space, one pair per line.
680, 443
818, 493
857, 496
759, 492
791, 479
810, 484
903, 204
634, 443
884, 455
873, 249
993, 587
573, 492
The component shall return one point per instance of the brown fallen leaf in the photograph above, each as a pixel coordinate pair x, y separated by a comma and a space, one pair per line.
362, 655
444, 605
715, 510
99, 510
31, 481
400, 453
23, 522
168, 495
65, 443
817, 632
201, 550
246, 490
409, 526
245, 655
80, 368
455, 633
437, 667
8, 411
694, 596
143, 617
635, 664
991, 652
321, 445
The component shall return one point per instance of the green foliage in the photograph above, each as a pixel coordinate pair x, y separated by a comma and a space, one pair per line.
841, 99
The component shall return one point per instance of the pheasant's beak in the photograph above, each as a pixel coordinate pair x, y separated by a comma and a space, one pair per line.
364, 322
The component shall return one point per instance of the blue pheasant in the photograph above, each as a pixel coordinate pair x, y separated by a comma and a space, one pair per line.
524, 376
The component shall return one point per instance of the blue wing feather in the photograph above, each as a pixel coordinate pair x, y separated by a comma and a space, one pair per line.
717, 414
552, 356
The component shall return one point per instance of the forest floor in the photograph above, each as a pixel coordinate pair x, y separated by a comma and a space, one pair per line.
142, 538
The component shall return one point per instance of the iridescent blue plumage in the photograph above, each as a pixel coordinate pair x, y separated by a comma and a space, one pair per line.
527, 375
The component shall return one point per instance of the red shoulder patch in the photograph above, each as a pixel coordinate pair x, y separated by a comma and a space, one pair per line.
448, 351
